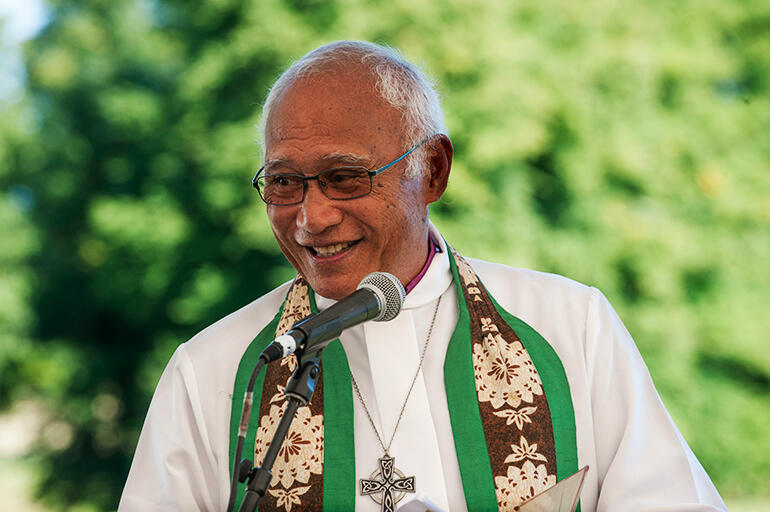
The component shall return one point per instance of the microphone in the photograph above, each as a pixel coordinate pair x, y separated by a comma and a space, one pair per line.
379, 297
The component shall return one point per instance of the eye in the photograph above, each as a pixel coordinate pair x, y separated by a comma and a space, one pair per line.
281, 180
344, 175
346, 182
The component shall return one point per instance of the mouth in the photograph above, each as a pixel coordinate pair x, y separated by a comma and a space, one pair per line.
329, 251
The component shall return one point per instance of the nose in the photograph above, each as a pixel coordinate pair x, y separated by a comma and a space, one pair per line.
317, 212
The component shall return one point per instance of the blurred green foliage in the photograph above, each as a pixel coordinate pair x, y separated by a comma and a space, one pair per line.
622, 145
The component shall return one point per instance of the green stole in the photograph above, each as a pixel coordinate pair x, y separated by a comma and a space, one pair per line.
509, 404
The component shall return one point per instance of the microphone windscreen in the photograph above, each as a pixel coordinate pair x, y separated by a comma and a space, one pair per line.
390, 292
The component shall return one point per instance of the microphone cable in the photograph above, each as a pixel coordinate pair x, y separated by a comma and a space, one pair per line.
243, 429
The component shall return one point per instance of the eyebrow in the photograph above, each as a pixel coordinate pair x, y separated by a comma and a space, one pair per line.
274, 162
348, 158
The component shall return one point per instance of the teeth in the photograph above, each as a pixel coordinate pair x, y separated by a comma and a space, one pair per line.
331, 250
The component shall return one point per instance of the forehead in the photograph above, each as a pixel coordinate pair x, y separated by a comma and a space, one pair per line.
337, 110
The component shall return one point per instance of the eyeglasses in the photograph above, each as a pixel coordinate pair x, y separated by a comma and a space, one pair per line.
340, 183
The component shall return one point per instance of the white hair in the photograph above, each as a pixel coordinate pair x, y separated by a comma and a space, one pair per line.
400, 83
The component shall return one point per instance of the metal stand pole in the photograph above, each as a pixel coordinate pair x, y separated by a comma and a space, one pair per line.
299, 390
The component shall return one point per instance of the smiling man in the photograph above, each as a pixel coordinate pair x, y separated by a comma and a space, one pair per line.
491, 385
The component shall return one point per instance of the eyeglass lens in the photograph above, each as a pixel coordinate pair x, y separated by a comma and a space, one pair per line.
340, 183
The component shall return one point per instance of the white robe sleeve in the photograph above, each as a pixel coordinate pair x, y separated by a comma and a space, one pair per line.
174, 465
643, 462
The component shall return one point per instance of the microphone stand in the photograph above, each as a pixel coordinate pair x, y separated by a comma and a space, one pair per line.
298, 392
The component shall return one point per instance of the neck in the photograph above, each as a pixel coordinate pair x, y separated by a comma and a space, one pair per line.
433, 248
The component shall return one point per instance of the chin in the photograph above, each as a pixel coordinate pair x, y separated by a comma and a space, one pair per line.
331, 289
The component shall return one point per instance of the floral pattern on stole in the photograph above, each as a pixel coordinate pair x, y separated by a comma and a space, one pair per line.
514, 410
298, 470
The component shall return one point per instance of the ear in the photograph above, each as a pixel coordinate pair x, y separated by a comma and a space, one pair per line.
440, 153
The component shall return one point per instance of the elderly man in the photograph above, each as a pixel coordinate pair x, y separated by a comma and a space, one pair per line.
491, 385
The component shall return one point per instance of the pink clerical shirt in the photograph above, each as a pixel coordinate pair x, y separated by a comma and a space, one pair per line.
433, 248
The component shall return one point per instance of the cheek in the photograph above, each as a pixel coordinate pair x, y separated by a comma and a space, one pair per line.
408, 203
279, 220
399, 217
282, 225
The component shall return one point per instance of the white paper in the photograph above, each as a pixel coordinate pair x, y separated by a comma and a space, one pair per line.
420, 503
562, 497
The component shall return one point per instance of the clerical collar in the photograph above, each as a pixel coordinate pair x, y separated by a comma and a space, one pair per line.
433, 248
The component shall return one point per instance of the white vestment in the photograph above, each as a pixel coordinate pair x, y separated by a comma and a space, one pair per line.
638, 460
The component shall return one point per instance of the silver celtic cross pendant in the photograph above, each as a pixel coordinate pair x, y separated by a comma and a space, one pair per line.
390, 487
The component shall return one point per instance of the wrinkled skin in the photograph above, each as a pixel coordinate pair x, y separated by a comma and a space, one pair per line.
337, 118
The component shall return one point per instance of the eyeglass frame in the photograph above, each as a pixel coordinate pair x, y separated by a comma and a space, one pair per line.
305, 179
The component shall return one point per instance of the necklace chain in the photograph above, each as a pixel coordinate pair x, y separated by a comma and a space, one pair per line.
411, 386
